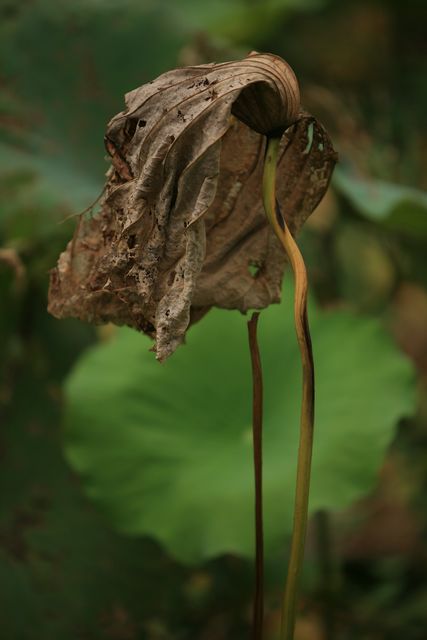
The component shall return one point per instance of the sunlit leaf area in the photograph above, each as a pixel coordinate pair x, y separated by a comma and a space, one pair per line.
127, 499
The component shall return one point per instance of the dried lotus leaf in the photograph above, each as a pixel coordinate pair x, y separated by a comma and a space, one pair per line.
181, 226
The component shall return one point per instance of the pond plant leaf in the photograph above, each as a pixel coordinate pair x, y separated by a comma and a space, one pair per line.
167, 451
398, 207
181, 226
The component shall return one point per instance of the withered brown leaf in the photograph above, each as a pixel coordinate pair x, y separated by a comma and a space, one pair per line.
181, 226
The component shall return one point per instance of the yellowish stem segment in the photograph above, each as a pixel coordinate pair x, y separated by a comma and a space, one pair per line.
307, 408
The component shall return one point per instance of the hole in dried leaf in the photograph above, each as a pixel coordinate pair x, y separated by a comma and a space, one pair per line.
254, 269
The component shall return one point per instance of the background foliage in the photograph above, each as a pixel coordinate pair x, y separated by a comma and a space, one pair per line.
69, 566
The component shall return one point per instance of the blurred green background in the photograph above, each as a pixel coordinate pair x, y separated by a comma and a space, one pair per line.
126, 496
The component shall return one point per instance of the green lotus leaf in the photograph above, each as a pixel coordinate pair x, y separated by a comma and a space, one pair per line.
397, 207
165, 450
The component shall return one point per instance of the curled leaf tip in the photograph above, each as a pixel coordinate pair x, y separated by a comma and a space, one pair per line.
181, 226
270, 104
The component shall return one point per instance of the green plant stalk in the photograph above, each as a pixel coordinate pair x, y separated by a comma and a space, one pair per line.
307, 407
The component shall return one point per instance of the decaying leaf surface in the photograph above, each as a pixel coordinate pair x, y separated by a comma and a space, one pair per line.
181, 226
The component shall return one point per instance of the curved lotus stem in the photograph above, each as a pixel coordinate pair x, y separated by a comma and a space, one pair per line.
307, 409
